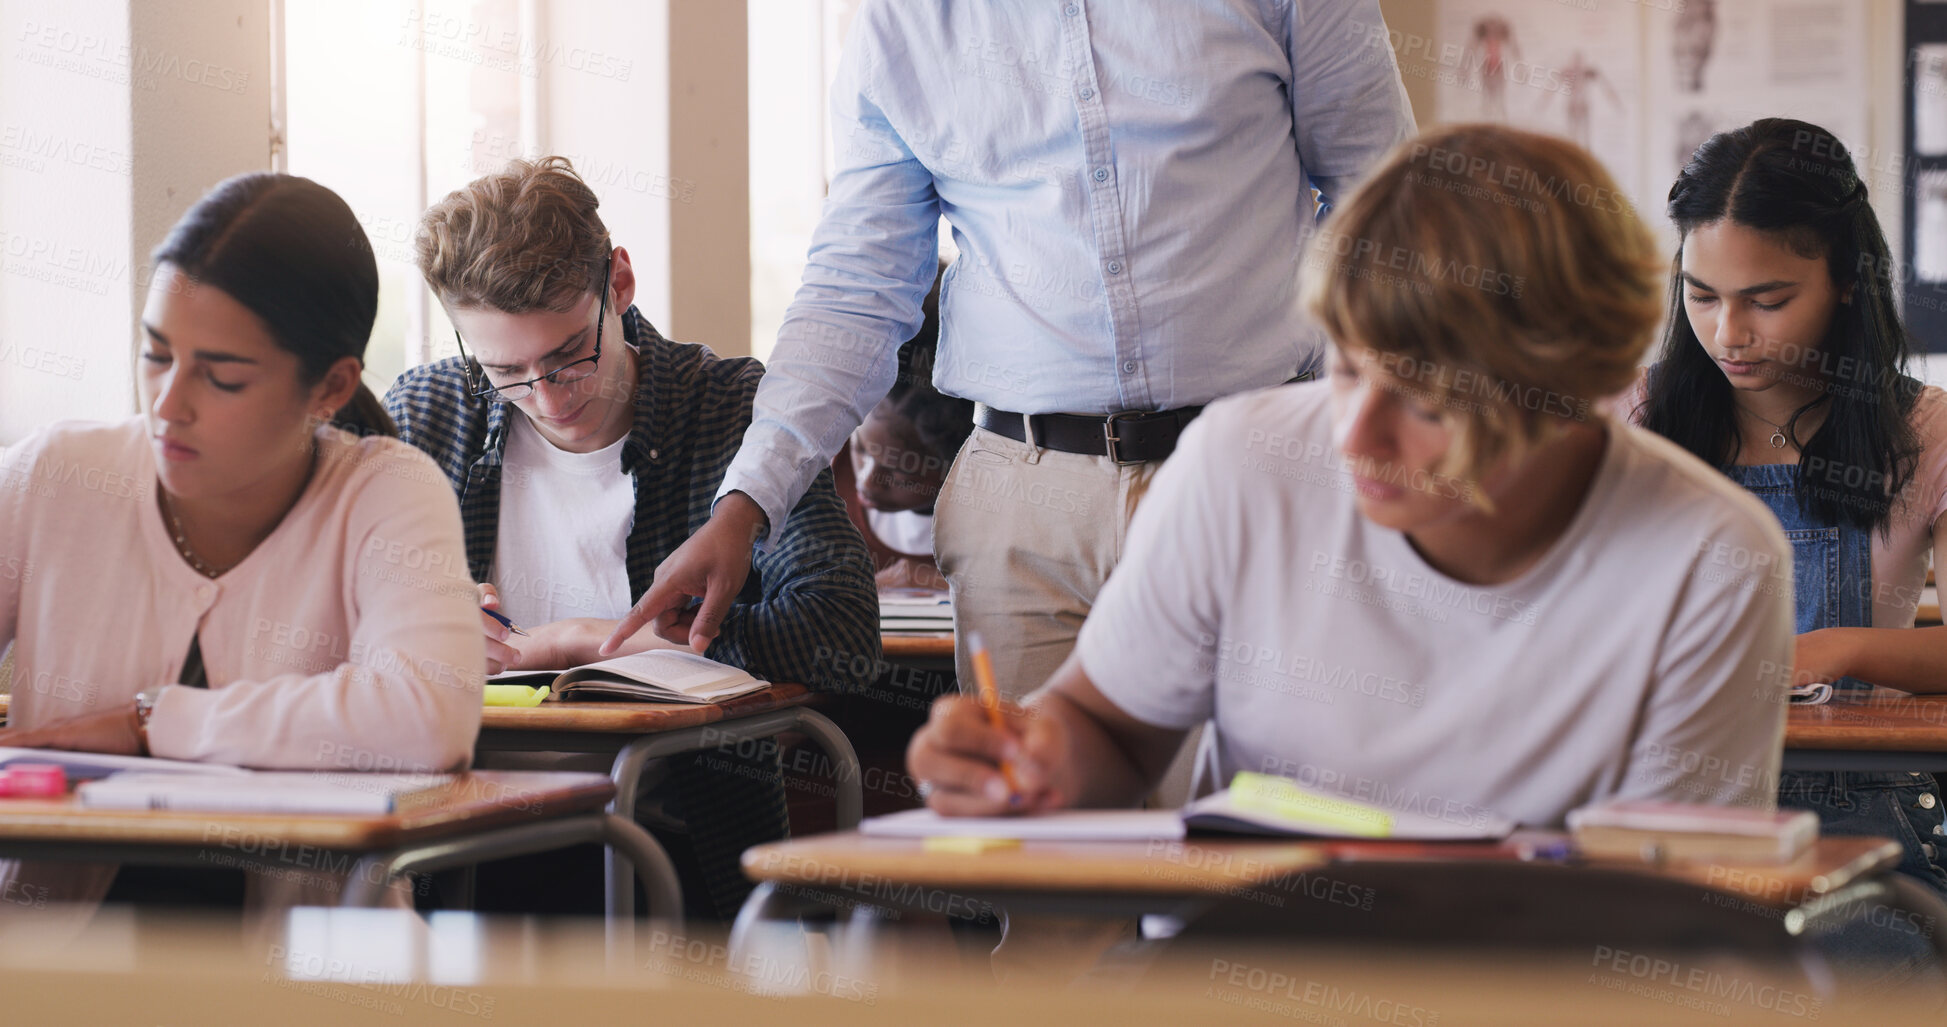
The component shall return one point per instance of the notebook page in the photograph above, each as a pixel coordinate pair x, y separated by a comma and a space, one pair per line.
675, 669
1084, 825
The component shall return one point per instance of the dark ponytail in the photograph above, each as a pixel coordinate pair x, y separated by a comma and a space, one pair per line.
294, 254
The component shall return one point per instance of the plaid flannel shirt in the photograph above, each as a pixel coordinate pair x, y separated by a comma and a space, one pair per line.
808, 613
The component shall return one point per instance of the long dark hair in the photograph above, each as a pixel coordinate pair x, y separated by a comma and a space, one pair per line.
294, 254
1796, 182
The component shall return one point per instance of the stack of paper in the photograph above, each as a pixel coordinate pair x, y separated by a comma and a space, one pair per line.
913, 609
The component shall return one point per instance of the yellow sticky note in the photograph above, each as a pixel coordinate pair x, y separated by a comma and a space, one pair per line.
969, 846
1287, 800
515, 695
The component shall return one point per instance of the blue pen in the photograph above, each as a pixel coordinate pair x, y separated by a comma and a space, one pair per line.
504, 621
1551, 852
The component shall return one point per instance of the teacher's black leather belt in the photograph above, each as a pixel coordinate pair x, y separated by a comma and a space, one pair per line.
1127, 436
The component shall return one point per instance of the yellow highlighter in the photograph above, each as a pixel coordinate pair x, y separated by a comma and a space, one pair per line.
990, 700
516, 695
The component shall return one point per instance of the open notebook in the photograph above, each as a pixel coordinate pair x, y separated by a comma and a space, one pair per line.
658, 675
1254, 804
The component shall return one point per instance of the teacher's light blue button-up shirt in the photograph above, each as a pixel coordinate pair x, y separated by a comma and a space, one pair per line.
1129, 183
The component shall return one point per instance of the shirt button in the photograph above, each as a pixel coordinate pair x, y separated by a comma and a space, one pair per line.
204, 592
1071, 10
1128, 367
1101, 174
1927, 801
1115, 267
1087, 93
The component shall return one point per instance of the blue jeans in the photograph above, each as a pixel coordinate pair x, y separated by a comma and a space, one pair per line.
1904, 806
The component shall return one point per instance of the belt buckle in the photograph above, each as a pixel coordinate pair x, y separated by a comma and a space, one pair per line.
1113, 442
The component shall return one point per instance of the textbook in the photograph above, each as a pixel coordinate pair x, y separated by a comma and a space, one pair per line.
1655, 831
655, 675
1257, 804
267, 791
915, 609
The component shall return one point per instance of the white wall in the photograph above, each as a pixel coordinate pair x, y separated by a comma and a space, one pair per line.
104, 142
665, 146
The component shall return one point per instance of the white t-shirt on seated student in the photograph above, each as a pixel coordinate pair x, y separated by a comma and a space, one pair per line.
1641, 657
562, 548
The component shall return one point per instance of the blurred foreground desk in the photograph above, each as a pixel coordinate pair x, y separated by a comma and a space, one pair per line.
338, 966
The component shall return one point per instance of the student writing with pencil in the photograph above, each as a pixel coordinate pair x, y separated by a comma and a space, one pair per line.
1441, 580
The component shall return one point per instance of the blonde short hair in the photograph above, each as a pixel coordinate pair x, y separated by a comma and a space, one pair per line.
522, 239
1498, 275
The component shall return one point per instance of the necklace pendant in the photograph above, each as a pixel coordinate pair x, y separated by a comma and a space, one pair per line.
1777, 440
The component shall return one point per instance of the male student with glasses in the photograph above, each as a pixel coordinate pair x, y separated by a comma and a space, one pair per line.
585, 447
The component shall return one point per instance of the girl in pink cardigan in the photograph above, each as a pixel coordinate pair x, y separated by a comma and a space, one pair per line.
250, 571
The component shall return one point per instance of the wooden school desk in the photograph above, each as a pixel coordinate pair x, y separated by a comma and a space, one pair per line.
925, 650
486, 815
637, 732
1876, 729
1186, 878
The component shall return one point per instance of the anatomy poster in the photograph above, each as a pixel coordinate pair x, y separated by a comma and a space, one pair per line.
1550, 67
1718, 64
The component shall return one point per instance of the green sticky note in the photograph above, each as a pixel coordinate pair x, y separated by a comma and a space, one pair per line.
515, 695
1286, 800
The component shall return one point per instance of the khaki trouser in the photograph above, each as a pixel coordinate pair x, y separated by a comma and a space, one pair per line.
1027, 537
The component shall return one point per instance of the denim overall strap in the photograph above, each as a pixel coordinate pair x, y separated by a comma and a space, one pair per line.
1832, 565
1832, 587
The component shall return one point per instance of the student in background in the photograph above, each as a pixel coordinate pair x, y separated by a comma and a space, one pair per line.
891, 470
585, 447
1438, 577
1784, 365
250, 571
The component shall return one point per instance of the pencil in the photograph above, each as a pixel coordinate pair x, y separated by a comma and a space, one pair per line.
990, 701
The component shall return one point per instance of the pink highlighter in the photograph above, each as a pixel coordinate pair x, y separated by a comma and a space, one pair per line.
33, 781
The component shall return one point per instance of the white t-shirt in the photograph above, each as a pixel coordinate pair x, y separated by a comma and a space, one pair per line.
563, 543
1644, 656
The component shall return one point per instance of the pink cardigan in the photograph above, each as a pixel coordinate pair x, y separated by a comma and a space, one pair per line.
349, 639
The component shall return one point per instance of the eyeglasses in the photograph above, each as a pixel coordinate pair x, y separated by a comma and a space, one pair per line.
566, 374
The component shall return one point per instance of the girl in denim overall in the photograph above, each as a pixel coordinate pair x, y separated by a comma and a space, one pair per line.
1784, 363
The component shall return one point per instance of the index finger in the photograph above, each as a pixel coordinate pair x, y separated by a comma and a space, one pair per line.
662, 596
